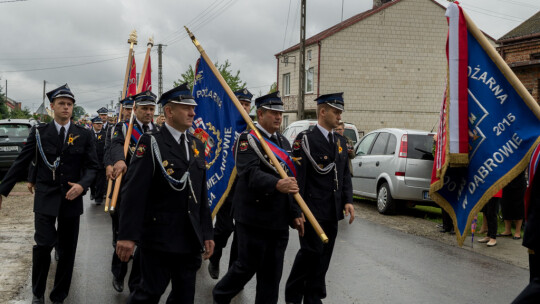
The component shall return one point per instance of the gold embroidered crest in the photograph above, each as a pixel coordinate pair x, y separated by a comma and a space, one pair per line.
194, 148
71, 139
340, 149
165, 163
170, 171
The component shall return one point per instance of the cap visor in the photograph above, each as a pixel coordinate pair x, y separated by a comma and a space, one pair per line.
188, 102
278, 108
337, 106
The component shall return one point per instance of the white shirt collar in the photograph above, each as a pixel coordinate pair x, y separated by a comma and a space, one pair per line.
150, 125
324, 131
58, 126
176, 134
264, 130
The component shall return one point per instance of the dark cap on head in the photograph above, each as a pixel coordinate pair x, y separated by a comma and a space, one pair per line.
179, 95
145, 99
97, 120
102, 110
270, 101
127, 102
62, 91
243, 95
335, 100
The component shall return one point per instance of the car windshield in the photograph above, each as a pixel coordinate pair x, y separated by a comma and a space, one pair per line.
14, 130
420, 146
350, 134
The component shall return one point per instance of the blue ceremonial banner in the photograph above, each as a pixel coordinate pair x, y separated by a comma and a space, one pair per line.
217, 124
503, 131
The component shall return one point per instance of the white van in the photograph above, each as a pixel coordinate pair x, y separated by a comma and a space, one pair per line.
298, 126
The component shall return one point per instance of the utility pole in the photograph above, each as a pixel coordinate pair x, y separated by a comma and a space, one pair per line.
6, 90
160, 74
302, 65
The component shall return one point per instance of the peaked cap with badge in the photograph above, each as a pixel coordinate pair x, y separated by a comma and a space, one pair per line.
62, 91
102, 110
146, 98
97, 120
127, 102
270, 101
335, 100
178, 95
244, 95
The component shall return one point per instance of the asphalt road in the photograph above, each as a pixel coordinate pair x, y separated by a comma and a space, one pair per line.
371, 264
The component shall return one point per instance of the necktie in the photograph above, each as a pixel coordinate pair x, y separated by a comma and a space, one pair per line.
145, 128
331, 141
60, 144
183, 146
275, 139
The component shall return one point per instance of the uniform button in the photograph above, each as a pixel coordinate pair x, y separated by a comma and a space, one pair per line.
154, 219
61, 163
256, 201
61, 174
189, 197
334, 190
189, 212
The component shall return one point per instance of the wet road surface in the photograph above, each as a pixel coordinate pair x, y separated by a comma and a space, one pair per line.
371, 264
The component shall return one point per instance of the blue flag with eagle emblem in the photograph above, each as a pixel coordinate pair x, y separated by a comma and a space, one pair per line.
502, 132
217, 124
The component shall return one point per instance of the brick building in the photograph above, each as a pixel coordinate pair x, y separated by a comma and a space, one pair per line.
520, 48
389, 61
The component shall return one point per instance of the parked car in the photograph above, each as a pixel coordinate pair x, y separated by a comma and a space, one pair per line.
393, 165
13, 135
301, 125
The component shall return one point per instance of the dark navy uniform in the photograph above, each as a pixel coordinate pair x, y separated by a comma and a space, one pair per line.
168, 218
262, 216
224, 225
77, 164
325, 184
531, 240
116, 153
98, 187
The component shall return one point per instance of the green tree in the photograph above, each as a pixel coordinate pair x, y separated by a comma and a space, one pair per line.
78, 112
273, 88
4, 112
232, 79
16, 113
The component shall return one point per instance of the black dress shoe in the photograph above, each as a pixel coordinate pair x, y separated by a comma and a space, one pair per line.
118, 284
36, 300
213, 270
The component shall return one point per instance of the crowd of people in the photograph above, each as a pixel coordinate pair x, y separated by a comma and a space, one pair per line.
165, 227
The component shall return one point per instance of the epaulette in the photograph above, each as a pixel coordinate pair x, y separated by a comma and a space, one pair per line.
41, 125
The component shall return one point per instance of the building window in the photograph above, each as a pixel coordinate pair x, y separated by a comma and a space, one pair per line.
309, 80
286, 84
308, 55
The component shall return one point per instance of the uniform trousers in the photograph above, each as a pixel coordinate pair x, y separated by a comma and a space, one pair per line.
260, 251
308, 273
98, 187
47, 236
223, 229
158, 268
530, 294
118, 268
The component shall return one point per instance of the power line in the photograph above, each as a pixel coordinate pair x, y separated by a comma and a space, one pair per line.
286, 25
64, 66
484, 10
8, 1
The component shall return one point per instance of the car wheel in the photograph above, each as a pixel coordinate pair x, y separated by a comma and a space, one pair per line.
385, 202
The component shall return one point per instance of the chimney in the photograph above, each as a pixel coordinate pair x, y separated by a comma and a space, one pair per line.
377, 3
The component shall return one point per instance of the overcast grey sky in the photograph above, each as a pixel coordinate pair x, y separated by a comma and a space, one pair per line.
84, 43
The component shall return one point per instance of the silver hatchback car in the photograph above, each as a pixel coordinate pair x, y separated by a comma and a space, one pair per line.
393, 165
